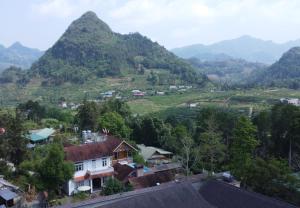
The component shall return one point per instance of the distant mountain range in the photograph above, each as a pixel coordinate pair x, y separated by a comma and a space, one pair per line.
89, 48
18, 55
245, 47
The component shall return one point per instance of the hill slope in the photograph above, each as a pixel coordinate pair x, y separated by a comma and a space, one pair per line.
18, 55
245, 47
232, 70
89, 48
283, 73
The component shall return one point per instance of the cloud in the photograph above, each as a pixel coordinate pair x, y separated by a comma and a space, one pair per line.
179, 22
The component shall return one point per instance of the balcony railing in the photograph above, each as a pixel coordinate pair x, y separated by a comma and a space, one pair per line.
123, 160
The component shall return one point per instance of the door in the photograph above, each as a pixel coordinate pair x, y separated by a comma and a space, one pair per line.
96, 183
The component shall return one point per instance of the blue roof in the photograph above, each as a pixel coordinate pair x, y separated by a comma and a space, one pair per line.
7, 195
41, 134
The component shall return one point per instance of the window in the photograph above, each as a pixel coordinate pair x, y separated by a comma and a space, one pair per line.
104, 162
78, 166
106, 178
116, 155
94, 164
129, 154
80, 183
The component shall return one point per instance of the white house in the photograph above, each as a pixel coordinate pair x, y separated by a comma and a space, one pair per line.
292, 101
94, 163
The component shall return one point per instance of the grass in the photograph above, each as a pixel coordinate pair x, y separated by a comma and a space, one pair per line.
258, 99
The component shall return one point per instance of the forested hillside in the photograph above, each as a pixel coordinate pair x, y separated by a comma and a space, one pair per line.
89, 48
233, 70
283, 73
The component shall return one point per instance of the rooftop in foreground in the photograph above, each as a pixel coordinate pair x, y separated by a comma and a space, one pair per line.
185, 193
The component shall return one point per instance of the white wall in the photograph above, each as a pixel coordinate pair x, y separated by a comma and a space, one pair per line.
88, 165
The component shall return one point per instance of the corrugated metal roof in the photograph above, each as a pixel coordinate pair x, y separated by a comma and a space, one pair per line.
41, 134
147, 152
7, 195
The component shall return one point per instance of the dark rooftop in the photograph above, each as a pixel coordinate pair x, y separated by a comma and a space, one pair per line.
223, 195
172, 195
183, 194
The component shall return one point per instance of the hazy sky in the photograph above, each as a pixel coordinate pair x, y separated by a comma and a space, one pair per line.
173, 23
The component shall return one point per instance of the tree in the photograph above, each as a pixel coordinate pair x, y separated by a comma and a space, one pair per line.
13, 143
263, 123
187, 145
211, 149
242, 147
115, 105
54, 170
32, 110
151, 131
115, 124
112, 186
274, 178
87, 115
153, 78
285, 130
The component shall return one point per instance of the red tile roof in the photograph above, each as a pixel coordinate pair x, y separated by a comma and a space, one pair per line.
151, 179
122, 171
92, 150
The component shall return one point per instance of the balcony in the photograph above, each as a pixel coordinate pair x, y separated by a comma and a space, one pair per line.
125, 160
105, 171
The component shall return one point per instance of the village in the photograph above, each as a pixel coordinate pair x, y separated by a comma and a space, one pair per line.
132, 174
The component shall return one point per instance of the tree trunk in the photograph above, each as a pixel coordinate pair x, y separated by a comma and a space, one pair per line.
290, 154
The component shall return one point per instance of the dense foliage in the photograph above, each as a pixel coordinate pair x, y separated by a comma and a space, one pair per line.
262, 152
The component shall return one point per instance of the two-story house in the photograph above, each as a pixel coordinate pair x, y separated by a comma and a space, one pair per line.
94, 162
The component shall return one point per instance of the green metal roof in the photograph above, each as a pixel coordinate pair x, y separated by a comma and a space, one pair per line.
147, 151
41, 134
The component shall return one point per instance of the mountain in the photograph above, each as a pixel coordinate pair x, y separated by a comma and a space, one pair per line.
89, 48
229, 69
245, 47
18, 55
283, 73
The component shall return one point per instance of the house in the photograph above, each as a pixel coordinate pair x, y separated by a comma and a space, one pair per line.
9, 194
138, 94
173, 87
160, 93
192, 105
63, 104
40, 135
135, 91
108, 94
2, 131
8, 197
154, 155
291, 101
94, 163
